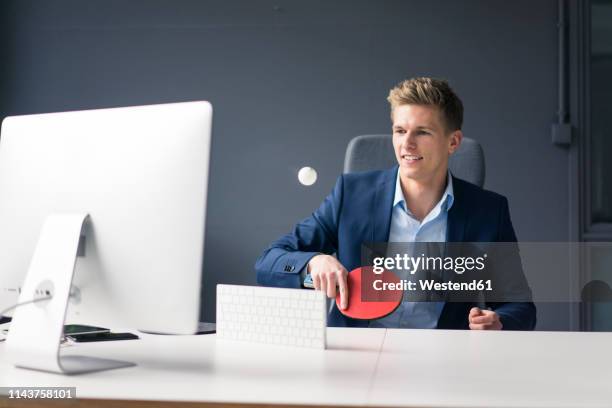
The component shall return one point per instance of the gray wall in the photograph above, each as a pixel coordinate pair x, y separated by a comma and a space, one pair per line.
291, 82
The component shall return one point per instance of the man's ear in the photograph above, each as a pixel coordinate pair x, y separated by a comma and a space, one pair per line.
455, 139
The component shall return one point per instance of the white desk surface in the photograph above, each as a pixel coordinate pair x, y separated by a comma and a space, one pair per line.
423, 368
494, 369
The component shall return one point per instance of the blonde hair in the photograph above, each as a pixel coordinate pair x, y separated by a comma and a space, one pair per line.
429, 91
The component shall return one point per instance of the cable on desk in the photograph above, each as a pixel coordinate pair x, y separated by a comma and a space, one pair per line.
16, 305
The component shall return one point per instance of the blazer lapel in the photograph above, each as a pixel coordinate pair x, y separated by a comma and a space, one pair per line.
455, 224
383, 203
455, 231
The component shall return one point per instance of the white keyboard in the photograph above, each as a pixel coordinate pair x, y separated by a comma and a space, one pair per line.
292, 317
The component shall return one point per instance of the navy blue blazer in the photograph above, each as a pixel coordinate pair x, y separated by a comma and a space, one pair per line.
358, 210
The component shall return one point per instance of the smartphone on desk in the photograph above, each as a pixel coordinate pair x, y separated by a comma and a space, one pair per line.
100, 336
72, 329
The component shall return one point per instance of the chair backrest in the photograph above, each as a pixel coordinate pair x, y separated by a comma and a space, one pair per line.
375, 152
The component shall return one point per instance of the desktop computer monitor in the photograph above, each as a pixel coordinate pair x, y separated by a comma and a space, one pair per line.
141, 175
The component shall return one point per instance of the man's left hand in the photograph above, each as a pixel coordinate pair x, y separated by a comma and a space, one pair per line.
481, 319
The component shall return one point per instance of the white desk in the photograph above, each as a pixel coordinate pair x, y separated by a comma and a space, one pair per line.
360, 367
491, 369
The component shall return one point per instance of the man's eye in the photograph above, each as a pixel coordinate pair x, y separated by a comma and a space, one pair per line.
401, 131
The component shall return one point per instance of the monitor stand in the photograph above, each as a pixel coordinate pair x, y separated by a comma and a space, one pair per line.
36, 330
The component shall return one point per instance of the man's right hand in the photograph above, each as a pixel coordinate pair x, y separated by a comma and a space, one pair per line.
326, 273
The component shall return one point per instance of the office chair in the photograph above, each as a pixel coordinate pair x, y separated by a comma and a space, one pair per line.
375, 152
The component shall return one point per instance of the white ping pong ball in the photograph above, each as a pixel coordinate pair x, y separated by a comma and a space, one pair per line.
307, 176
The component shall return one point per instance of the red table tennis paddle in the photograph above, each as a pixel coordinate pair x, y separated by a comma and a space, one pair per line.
365, 302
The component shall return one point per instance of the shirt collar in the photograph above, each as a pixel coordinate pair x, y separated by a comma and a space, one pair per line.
446, 201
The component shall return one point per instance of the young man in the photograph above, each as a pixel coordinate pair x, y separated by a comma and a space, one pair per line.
416, 201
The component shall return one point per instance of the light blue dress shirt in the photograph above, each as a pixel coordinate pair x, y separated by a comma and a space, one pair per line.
406, 228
